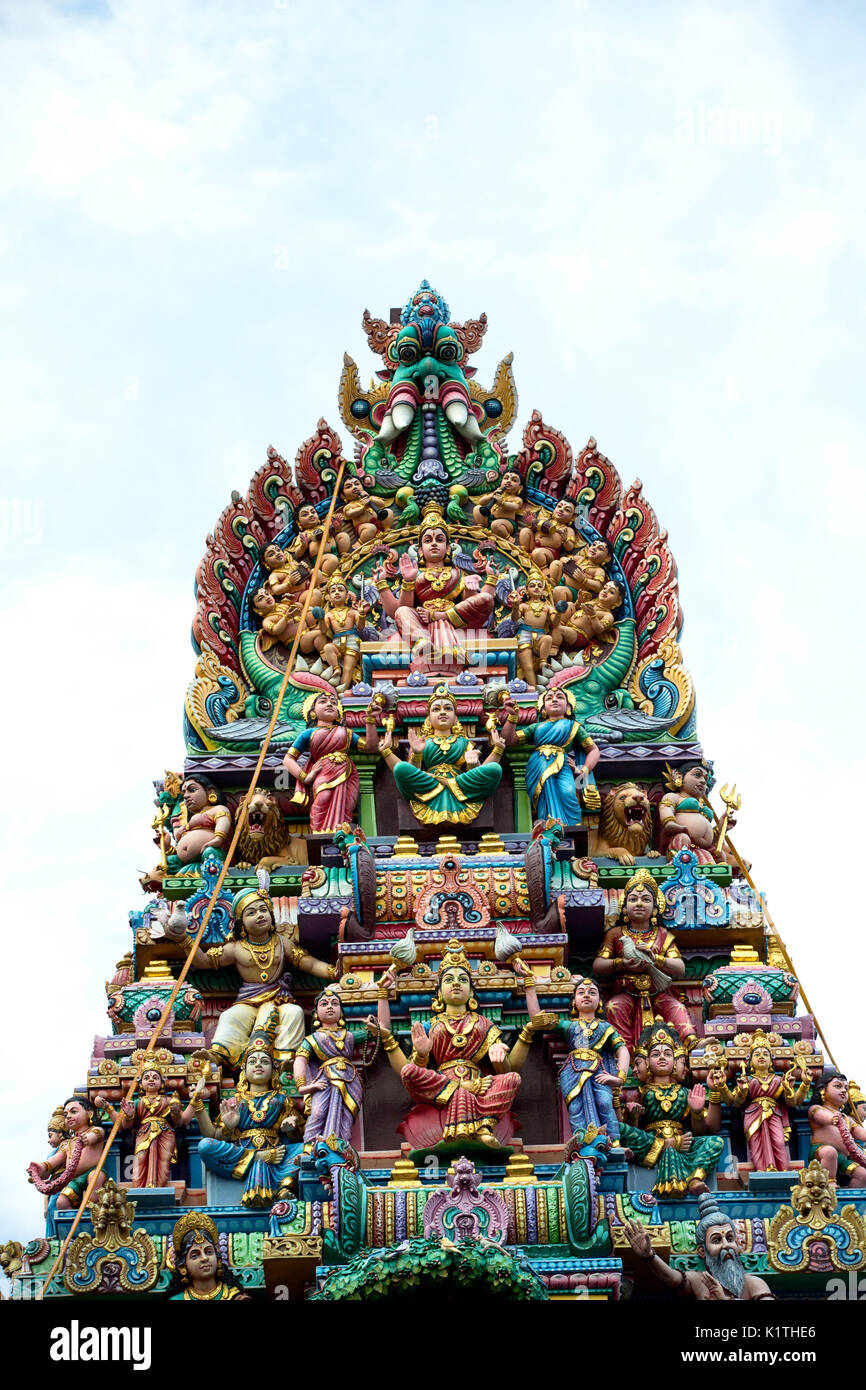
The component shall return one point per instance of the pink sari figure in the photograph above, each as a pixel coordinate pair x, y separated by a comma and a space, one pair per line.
329, 782
766, 1096
437, 602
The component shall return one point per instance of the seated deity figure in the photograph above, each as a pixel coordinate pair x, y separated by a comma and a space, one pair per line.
461, 1068
683, 1158
555, 738
328, 784
264, 956
584, 574
836, 1140
686, 818
551, 539
280, 622
596, 1065
199, 1275
248, 1142
641, 956
592, 622
361, 519
766, 1096
307, 543
500, 511
437, 603
444, 779
201, 822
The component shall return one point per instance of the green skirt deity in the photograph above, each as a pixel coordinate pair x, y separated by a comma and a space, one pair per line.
444, 780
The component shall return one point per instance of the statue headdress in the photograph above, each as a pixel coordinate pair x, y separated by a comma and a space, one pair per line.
160, 1059
642, 879
261, 1041
58, 1120
197, 1223
309, 705
433, 515
759, 1038
244, 896
855, 1096
660, 1032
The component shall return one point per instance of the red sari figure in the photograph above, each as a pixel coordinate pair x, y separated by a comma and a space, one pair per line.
437, 601
461, 1070
328, 784
155, 1117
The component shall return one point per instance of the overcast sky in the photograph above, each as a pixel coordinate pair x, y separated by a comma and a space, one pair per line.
661, 209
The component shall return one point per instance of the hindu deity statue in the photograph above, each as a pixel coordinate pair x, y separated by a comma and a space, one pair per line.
280, 619
836, 1140
66, 1172
551, 539
536, 621
340, 629
584, 574
766, 1096
686, 819
156, 1117
682, 1157
596, 1065
201, 823
500, 511
326, 1071
263, 955
199, 1274
724, 1275
590, 622
307, 543
552, 771
437, 601
248, 1142
361, 519
328, 784
444, 779
461, 1068
641, 956
856, 1101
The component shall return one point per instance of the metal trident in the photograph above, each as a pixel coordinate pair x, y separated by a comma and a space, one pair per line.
732, 802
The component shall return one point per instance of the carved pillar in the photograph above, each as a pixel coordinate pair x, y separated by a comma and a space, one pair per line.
366, 763
518, 758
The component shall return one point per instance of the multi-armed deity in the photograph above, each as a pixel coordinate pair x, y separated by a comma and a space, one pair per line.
475, 980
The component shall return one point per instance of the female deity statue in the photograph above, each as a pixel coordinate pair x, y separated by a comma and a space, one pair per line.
156, 1116
247, 1142
446, 1070
73, 1159
766, 1096
551, 770
328, 784
199, 1273
682, 1158
686, 818
340, 629
263, 956
202, 823
836, 1140
326, 1071
642, 956
444, 779
596, 1065
437, 601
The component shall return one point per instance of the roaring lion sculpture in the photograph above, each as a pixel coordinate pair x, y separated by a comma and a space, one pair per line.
266, 841
625, 827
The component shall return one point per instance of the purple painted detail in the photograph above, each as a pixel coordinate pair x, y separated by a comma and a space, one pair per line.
465, 1212
531, 1196
759, 1236
400, 1214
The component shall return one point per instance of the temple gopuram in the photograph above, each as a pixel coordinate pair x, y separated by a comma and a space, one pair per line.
448, 979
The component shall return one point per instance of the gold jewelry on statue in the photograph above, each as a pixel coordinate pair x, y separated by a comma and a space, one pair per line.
526, 1034
263, 956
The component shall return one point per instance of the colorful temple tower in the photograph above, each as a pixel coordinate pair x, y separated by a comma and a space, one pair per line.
447, 965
